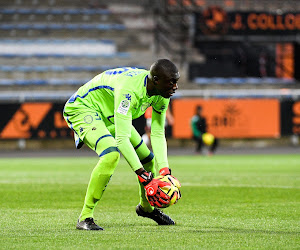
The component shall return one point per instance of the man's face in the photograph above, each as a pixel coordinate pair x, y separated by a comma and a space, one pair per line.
167, 84
199, 112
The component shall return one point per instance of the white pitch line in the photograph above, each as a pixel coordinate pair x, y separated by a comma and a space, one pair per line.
234, 185
183, 184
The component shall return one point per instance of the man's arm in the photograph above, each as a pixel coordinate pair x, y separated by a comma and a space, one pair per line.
124, 102
123, 124
158, 139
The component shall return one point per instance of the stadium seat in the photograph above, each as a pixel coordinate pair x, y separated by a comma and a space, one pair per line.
57, 26
57, 47
242, 80
54, 68
12, 82
54, 11
53, 55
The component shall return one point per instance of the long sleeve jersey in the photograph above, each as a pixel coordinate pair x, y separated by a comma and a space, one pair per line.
120, 95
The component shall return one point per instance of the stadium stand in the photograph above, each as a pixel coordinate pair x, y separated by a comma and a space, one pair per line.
216, 58
65, 43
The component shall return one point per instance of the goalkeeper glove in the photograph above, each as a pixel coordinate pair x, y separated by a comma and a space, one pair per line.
152, 186
167, 171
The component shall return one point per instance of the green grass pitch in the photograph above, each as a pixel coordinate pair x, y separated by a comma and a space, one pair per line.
228, 202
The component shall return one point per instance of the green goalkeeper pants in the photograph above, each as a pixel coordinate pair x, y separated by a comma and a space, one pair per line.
90, 129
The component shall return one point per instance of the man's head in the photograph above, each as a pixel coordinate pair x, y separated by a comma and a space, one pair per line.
199, 110
163, 78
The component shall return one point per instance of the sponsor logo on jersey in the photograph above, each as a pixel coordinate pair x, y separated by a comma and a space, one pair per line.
124, 107
125, 104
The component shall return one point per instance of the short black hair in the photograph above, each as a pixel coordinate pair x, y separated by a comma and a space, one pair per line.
162, 67
198, 108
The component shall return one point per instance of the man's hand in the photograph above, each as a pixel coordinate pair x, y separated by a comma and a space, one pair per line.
152, 186
167, 171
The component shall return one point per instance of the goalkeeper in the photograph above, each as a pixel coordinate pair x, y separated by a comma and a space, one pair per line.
100, 114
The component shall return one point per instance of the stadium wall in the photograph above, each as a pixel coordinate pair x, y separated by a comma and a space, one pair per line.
226, 118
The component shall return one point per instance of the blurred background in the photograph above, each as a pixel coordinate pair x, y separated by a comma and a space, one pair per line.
239, 60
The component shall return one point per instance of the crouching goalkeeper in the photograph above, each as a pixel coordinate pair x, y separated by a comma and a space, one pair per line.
100, 114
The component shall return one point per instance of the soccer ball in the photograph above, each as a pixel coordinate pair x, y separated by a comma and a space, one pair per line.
208, 139
172, 190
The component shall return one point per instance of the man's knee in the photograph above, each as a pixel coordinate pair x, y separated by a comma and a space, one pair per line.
113, 157
108, 162
110, 156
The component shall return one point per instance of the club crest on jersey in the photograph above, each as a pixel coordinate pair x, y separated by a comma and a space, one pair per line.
124, 107
145, 106
88, 119
128, 97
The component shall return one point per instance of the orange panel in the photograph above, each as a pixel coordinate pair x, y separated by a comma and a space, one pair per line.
285, 60
229, 118
27, 117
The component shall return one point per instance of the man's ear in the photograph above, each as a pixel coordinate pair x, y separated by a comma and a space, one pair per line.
155, 80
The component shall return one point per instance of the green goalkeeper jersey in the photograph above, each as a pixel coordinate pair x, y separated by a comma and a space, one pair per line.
120, 95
